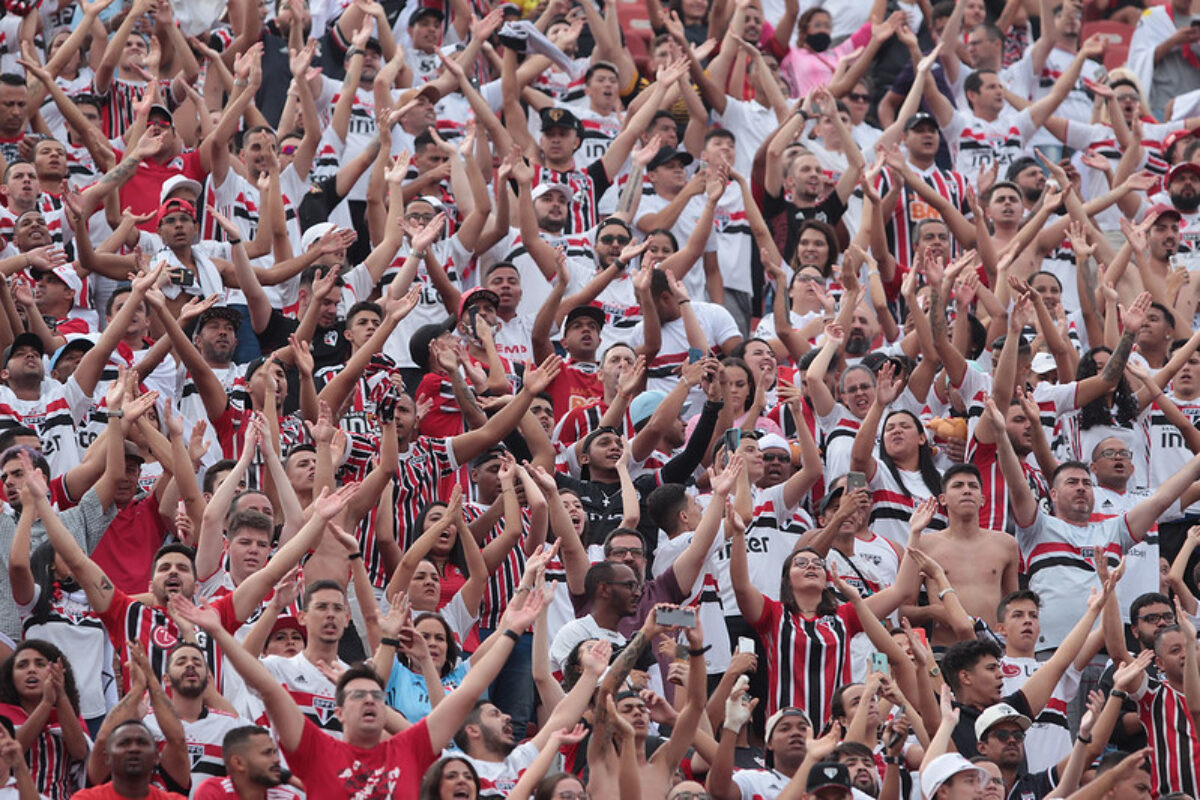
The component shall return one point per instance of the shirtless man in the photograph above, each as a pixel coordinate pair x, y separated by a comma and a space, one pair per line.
981, 564
655, 772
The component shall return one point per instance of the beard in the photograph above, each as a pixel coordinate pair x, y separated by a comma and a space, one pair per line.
857, 344
267, 778
190, 691
1185, 203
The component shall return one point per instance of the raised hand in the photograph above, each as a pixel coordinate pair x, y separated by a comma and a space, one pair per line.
1133, 317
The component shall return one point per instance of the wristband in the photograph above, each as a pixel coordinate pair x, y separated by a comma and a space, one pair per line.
353, 556
355, 51
516, 637
700, 651
1084, 739
390, 642
896, 760
117, 413
1120, 694
946, 591
234, 242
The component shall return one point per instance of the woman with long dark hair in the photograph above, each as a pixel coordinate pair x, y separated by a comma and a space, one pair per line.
37, 692
427, 669
55, 609
451, 777
807, 625
903, 473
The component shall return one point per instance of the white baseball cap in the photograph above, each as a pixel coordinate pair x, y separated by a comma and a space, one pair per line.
773, 441
945, 767
179, 182
1000, 712
313, 234
1043, 363
561, 188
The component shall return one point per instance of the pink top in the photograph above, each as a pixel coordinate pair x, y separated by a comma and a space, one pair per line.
805, 70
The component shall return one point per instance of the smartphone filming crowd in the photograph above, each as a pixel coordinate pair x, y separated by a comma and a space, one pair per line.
711, 400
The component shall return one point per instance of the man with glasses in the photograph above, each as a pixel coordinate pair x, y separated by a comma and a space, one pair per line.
612, 591
1001, 734
1148, 614
1112, 466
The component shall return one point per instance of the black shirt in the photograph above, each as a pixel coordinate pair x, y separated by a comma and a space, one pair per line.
782, 214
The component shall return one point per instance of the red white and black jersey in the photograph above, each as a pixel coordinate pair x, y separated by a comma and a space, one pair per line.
311, 690
893, 502
1168, 451
205, 739
503, 581
587, 185
994, 513
911, 210
807, 659
117, 114
55, 773
577, 384
50, 416
426, 472
582, 420
1171, 731
128, 620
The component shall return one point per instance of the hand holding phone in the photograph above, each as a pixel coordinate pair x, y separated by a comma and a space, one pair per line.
675, 617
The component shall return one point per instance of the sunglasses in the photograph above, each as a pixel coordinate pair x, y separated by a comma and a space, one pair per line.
1004, 736
611, 238
858, 98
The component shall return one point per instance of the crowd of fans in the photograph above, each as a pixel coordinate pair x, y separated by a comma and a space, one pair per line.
416, 400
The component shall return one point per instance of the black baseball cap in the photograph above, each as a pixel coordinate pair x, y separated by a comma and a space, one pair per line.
666, 155
828, 775
559, 118
584, 312
23, 340
418, 345
919, 117
218, 312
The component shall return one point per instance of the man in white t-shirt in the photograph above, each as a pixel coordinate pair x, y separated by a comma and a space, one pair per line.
612, 590
486, 736
987, 134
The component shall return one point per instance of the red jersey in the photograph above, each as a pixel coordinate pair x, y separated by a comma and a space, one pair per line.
578, 384
333, 769
106, 792
141, 193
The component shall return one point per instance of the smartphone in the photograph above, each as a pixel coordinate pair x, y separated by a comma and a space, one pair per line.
879, 663
676, 617
733, 440
473, 313
920, 634
451, 49
694, 354
856, 480
745, 645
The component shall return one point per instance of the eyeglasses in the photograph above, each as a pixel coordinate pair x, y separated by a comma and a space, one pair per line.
995, 781
809, 278
363, 694
1167, 617
690, 795
614, 238
809, 562
629, 584
857, 97
1128, 98
422, 218
570, 794
621, 552
1006, 735
287, 149
772, 457
1110, 453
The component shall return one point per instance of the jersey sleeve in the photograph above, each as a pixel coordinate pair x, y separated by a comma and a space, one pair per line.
229, 618
771, 614
112, 617
849, 617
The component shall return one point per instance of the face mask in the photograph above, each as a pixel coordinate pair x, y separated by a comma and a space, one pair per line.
818, 42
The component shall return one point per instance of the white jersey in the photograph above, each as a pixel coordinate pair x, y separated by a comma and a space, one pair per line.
311, 690
1168, 452
1141, 561
704, 595
1048, 740
977, 143
599, 131
205, 738
693, 279
514, 338
498, 778
1059, 558
50, 416
771, 536
535, 287
662, 373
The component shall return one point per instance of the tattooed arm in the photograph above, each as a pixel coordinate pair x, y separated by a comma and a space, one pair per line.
635, 649
1098, 385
